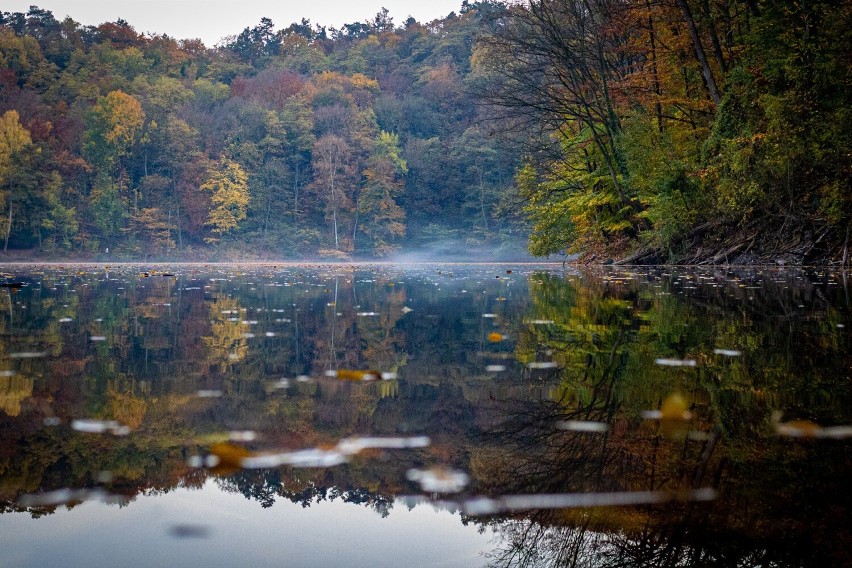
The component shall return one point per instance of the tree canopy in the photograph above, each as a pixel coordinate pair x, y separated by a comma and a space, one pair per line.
680, 130
295, 141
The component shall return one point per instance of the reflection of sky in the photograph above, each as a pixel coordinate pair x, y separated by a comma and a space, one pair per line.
239, 532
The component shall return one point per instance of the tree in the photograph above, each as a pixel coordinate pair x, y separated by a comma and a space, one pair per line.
331, 167
153, 229
383, 219
14, 141
229, 185
59, 221
114, 124
553, 68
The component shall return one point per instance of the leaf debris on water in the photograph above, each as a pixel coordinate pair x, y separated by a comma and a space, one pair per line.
68, 496
439, 479
583, 426
232, 456
809, 429
28, 355
675, 362
205, 393
728, 352
509, 503
100, 427
542, 365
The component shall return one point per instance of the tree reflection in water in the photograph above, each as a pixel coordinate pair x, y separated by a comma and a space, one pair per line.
782, 502
578, 346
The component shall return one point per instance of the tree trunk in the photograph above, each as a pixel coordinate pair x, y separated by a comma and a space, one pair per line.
334, 202
355, 225
699, 51
658, 107
9, 225
296, 190
266, 220
180, 234
482, 200
714, 36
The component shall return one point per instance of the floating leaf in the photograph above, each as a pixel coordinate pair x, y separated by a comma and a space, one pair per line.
229, 455
439, 479
675, 408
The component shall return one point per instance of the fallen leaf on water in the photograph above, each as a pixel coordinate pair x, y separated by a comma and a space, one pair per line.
354, 375
228, 454
509, 503
542, 365
809, 429
727, 352
439, 479
675, 408
675, 362
583, 426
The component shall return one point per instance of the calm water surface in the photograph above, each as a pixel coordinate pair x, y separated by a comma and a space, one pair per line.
437, 415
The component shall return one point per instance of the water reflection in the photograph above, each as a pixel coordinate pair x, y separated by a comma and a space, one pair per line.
601, 417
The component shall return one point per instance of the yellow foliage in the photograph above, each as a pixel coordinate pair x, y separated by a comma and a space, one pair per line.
229, 184
12, 391
229, 455
126, 408
13, 138
360, 81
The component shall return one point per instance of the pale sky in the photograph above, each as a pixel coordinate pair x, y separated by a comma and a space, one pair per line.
211, 20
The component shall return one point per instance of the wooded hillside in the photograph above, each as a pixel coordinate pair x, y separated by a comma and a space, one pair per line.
692, 130
297, 142
703, 131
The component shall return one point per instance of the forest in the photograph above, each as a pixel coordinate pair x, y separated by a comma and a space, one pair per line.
702, 131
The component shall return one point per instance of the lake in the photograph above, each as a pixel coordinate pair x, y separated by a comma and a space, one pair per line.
424, 415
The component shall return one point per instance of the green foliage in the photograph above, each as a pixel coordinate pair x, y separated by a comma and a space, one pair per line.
382, 219
661, 173
575, 204
59, 222
108, 211
687, 129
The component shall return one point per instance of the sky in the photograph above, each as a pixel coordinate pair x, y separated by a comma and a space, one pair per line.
211, 20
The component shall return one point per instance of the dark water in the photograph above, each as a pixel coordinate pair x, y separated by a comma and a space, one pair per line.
424, 416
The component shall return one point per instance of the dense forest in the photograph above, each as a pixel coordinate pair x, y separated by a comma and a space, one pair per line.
300, 142
686, 130
649, 130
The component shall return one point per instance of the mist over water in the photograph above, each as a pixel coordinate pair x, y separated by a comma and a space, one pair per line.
460, 251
